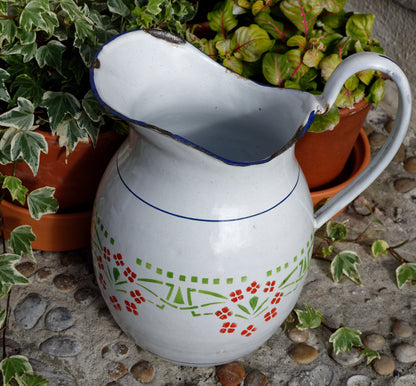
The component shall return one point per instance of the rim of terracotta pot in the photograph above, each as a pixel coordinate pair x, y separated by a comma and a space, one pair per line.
358, 162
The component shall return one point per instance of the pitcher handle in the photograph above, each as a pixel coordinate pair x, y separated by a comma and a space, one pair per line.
348, 67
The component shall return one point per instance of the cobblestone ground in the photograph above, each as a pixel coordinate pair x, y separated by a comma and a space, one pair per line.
62, 324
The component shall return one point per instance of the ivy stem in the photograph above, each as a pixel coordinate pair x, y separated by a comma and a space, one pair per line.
397, 256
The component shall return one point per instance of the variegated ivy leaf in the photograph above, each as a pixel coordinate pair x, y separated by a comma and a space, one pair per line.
345, 263
59, 104
84, 28
310, 318
13, 367
29, 88
28, 379
325, 121
87, 125
222, 19
4, 93
276, 68
3, 7
51, 55
27, 146
41, 201
302, 13
370, 354
26, 37
21, 117
250, 43
37, 15
344, 339
379, 247
359, 27
16, 189
8, 30
71, 8
9, 275
336, 231
406, 273
20, 240
70, 133
118, 7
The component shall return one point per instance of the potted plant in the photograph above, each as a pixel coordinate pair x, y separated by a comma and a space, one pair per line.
49, 116
298, 44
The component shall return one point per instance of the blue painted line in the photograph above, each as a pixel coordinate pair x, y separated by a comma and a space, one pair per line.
202, 219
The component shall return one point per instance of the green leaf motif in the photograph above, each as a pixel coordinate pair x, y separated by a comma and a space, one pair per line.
310, 318
406, 273
9, 275
244, 309
344, 339
379, 247
336, 231
41, 201
250, 43
359, 27
253, 302
21, 117
302, 13
20, 240
14, 367
345, 263
116, 273
16, 189
326, 121
59, 104
27, 146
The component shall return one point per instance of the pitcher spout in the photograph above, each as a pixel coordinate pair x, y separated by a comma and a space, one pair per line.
159, 81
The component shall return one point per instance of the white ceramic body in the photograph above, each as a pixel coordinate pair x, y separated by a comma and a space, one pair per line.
203, 223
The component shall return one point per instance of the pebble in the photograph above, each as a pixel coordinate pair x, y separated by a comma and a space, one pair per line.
377, 139
361, 206
42, 275
358, 380
113, 383
64, 281
28, 312
374, 341
405, 353
85, 296
384, 365
319, 375
348, 359
61, 346
404, 184
298, 336
406, 380
400, 155
402, 329
255, 378
53, 375
389, 125
12, 347
26, 268
59, 319
116, 370
410, 165
117, 350
143, 371
230, 374
303, 353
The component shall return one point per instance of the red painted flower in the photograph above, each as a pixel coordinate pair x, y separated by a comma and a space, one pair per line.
137, 296
228, 328
236, 296
100, 263
107, 254
118, 259
131, 307
249, 330
253, 287
129, 274
102, 281
224, 313
277, 297
270, 286
270, 315
115, 303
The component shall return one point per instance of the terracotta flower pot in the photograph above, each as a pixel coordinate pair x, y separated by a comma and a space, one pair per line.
356, 163
323, 156
76, 182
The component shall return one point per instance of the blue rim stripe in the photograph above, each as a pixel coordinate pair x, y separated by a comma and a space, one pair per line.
202, 219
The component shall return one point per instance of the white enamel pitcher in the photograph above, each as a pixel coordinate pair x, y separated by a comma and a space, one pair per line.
203, 223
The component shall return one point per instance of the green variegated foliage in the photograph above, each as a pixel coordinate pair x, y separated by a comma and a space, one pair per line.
294, 44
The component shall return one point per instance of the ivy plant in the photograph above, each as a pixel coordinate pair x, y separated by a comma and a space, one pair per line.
294, 44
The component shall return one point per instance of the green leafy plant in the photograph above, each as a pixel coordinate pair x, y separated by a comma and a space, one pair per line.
294, 44
345, 263
342, 338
